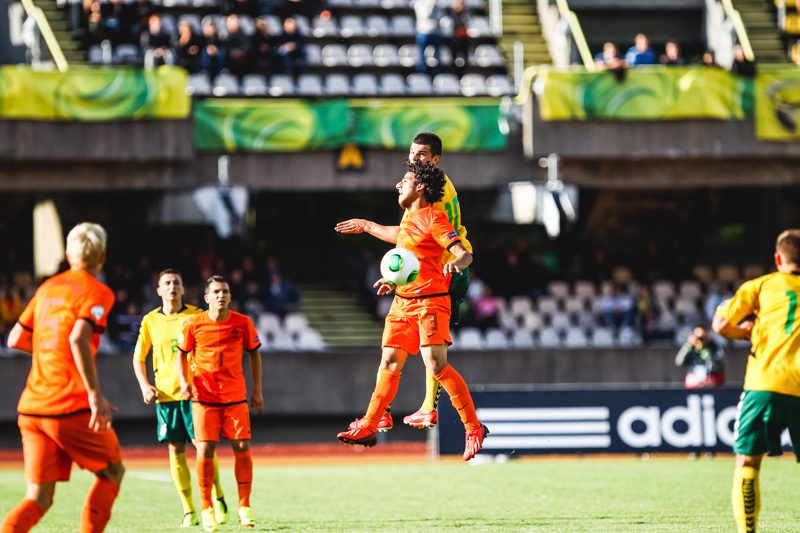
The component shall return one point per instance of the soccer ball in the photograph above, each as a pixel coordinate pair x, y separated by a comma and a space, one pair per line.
399, 267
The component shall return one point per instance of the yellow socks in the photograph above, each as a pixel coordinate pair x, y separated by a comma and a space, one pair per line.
433, 391
182, 478
745, 498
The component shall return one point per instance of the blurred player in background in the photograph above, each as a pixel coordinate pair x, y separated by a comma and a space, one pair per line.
419, 319
219, 392
770, 402
63, 416
159, 331
425, 148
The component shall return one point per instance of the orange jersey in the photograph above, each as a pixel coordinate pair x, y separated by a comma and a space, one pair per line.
217, 361
428, 235
54, 385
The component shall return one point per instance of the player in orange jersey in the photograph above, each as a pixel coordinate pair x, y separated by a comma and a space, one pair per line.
219, 392
63, 416
419, 319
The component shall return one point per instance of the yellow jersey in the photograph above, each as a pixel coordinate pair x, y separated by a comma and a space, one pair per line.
774, 362
161, 332
449, 206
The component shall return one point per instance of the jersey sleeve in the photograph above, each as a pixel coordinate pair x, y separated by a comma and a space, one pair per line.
442, 230
96, 306
186, 341
26, 318
743, 303
251, 341
144, 342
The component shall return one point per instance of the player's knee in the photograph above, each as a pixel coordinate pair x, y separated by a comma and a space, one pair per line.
240, 445
113, 473
177, 447
42, 495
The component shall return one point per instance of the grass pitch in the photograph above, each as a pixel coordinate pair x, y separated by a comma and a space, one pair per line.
558, 495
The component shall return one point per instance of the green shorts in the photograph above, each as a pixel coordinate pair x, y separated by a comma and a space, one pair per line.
175, 421
761, 419
459, 283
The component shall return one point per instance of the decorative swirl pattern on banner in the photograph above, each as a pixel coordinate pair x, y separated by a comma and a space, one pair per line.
93, 94
778, 105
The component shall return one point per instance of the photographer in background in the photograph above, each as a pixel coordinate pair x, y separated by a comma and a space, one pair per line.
704, 361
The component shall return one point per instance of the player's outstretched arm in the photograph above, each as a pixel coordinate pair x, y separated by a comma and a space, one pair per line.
721, 325
20, 339
360, 225
80, 342
462, 259
257, 398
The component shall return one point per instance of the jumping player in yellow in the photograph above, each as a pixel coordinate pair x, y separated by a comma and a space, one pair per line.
770, 402
419, 319
425, 148
160, 331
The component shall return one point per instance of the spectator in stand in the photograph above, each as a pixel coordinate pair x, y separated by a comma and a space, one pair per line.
262, 47
11, 306
189, 47
717, 293
703, 359
282, 295
242, 7
644, 312
95, 26
212, 55
609, 58
461, 40
617, 308
486, 310
292, 48
121, 22
271, 7
640, 53
237, 47
709, 59
741, 65
672, 55
428, 14
156, 41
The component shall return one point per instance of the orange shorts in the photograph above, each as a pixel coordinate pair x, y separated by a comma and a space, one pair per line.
213, 421
415, 322
50, 445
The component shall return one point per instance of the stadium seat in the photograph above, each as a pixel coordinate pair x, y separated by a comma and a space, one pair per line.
499, 85
663, 290
247, 25
367, 4
628, 337
392, 85
310, 340
690, 289
407, 55
685, 305
496, 340
703, 273
377, 26
334, 55
395, 4
295, 322
445, 56
419, 84
218, 21
313, 55
602, 338
225, 85
126, 54
520, 304
531, 320
547, 305
586, 320
575, 338
280, 341
549, 338
385, 55
268, 323
666, 321
574, 304
522, 338
169, 25
558, 289
446, 84
470, 339
402, 26
274, 24
198, 85
359, 55
96, 55
476, 4
281, 85
303, 25
309, 85
323, 27
583, 289
255, 85
337, 84
473, 85
351, 26
728, 273
479, 27
560, 321
340, 3
682, 334
365, 85
505, 319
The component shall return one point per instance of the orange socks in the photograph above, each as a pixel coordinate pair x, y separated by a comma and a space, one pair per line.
385, 390
205, 479
22, 518
460, 397
97, 510
243, 469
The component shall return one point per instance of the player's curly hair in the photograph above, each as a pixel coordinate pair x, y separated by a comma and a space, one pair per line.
431, 177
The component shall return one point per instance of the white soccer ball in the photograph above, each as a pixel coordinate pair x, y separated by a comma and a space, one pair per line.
399, 266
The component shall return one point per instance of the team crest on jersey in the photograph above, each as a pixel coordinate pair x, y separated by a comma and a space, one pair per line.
235, 333
97, 312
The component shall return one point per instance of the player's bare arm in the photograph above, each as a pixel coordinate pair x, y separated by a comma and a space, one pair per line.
721, 325
257, 398
149, 392
360, 225
80, 342
186, 386
20, 339
462, 259
384, 287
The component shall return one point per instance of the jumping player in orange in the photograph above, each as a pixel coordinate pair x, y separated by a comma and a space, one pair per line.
219, 392
63, 416
419, 319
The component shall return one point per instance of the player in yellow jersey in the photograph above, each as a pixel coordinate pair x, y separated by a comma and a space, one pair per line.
159, 332
770, 402
425, 148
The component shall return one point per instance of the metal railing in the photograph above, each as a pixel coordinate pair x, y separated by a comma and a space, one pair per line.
577, 33
741, 33
47, 33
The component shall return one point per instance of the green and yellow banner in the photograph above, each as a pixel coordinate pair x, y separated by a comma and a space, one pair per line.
778, 104
645, 93
93, 94
265, 125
